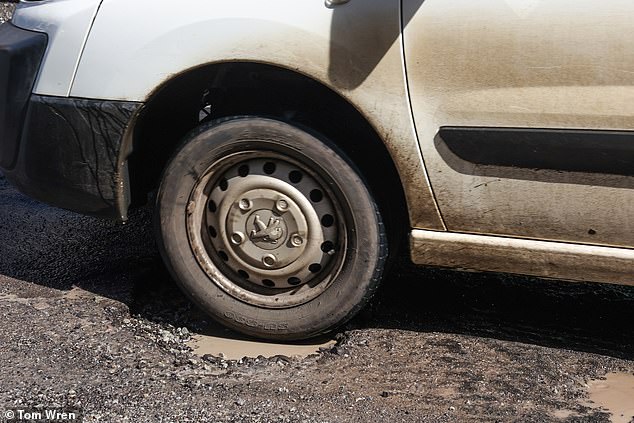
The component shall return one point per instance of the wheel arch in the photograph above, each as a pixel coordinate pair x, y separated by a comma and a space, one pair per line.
256, 88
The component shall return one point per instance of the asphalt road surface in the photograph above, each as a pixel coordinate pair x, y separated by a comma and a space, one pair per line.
90, 321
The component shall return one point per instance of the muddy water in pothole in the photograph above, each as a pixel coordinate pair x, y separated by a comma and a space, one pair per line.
614, 394
222, 343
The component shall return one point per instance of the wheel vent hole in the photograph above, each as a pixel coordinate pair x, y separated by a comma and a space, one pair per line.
268, 282
269, 168
316, 196
294, 281
223, 255
211, 205
328, 247
243, 170
224, 184
212, 232
327, 220
315, 268
295, 176
243, 274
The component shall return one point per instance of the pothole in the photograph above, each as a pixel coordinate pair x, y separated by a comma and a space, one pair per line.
219, 342
614, 394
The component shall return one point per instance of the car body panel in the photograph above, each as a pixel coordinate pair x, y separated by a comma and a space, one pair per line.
304, 36
524, 64
67, 24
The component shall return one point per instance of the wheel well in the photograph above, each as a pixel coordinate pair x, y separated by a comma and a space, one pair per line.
239, 88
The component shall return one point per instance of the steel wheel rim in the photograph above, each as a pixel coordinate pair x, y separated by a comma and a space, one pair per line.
268, 228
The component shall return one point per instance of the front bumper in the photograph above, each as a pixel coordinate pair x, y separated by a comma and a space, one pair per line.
66, 152
21, 52
70, 155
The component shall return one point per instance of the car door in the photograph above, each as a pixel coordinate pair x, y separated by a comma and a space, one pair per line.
523, 110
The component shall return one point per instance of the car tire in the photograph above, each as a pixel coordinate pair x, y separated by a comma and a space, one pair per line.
269, 228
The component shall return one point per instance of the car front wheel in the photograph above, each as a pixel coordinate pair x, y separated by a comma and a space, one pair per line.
269, 228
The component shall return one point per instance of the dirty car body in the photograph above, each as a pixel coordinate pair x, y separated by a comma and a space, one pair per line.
496, 136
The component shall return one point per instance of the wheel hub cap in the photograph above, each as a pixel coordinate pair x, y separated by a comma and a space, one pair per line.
269, 236
275, 229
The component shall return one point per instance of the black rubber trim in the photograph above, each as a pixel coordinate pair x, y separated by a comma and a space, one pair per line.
21, 53
568, 150
69, 154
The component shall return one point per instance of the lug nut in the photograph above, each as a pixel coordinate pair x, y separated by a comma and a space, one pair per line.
237, 238
281, 205
245, 204
269, 260
297, 240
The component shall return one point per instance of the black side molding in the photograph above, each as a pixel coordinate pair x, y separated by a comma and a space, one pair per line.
568, 150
